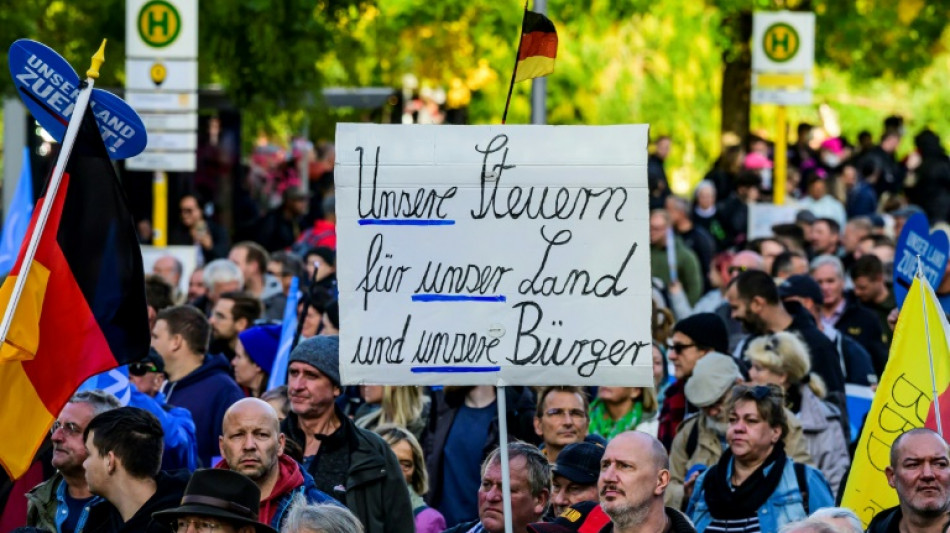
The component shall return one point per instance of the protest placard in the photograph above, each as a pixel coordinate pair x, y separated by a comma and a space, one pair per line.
495, 255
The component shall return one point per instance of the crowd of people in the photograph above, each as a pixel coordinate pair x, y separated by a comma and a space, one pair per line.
745, 429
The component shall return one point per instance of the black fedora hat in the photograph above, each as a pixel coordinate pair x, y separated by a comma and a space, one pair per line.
222, 494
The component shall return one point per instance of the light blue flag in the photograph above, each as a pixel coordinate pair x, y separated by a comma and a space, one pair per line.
278, 374
18, 218
115, 381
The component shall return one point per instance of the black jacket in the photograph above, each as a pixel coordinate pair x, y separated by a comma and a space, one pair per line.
824, 354
521, 409
171, 486
863, 325
887, 521
376, 490
461, 528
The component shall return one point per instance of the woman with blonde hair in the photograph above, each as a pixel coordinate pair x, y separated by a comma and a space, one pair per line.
409, 453
783, 359
404, 406
619, 409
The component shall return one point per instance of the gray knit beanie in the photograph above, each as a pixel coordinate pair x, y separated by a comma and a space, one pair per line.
321, 352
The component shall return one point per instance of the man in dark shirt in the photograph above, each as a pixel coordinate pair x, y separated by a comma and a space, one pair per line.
754, 301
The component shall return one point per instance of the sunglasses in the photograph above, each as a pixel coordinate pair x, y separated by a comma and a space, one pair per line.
680, 347
737, 269
139, 369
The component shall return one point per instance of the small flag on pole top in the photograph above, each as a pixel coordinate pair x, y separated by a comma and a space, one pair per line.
538, 48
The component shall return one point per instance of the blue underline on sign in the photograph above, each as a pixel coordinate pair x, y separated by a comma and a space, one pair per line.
404, 222
453, 369
456, 298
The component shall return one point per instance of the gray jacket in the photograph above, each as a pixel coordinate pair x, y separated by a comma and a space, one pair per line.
821, 423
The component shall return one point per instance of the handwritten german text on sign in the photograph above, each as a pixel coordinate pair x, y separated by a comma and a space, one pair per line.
508, 255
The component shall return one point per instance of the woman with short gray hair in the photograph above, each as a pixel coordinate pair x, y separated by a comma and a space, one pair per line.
322, 518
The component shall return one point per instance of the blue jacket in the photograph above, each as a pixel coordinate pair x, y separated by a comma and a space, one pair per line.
783, 506
207, 392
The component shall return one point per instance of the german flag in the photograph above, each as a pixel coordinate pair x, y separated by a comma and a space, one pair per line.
538, 47
82, 310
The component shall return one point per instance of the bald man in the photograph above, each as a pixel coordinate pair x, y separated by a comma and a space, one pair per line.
634, 474
251, 443
920, 473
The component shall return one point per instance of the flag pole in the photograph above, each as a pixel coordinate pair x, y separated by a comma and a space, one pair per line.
82, 102
930, 353
514, 72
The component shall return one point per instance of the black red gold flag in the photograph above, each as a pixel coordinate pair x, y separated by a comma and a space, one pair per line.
83, 308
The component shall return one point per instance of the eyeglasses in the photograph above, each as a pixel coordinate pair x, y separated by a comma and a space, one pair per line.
679, 347
201, 526
139, 369
69, 428
573, 413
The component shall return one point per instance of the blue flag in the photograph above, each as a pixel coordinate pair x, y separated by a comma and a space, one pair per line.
18, 218
115, 382
278, 373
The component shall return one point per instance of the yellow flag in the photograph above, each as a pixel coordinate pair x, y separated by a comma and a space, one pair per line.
903, 401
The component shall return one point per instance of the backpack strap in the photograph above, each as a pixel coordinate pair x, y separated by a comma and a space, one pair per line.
692, 440
802, 485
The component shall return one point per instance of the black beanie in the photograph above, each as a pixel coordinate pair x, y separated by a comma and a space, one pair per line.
705, 329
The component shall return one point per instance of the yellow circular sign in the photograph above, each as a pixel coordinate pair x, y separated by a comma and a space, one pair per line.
158, 73
780, 42
159, 23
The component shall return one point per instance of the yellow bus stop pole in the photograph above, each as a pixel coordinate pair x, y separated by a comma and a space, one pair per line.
781, 157
160, 209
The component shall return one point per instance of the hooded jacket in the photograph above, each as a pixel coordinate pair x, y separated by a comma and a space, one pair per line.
170, 488
291, 480
376, 490
207, 392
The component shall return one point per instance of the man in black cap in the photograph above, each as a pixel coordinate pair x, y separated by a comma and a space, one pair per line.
693, 337
219, 501
574, 477
351, 464
854, 359
148, 375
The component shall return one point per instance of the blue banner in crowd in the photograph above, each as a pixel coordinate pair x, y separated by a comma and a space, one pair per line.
18, 217
916, 239
278, 374
49, 87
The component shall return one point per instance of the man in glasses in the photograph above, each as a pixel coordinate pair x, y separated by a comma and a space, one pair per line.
63, 502
209, 237
148, 375
693, 337
561, 419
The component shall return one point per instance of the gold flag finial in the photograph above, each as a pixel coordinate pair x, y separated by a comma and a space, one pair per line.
97, 60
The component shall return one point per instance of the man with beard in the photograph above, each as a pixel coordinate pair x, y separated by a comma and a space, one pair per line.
251, 443
634, 474
63, 502
920, 473
699, 442
754, 301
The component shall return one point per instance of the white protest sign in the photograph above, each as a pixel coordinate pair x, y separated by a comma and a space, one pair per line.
493, 255
763, 216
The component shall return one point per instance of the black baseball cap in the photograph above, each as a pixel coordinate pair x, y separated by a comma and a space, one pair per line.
580, 462
803, 286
